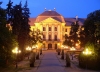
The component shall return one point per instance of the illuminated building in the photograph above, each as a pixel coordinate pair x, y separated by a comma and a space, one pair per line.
54, 26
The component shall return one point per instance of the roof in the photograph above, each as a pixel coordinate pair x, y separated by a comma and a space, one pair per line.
32, 21
53, 14
48, 14
70, 20
67, 20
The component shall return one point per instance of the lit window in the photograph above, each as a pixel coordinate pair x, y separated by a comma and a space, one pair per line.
49, 28
43, 37
55, 37
44, 29
49, 37
55, 28
65, 30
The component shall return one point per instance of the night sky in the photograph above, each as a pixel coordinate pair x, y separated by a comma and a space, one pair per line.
67, 8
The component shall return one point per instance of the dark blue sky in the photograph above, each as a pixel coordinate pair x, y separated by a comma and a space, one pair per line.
67, 8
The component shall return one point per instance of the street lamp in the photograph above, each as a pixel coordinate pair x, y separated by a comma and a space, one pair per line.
16, 51
87, 52
28, 49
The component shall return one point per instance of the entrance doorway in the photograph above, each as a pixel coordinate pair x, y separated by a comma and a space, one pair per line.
49, 46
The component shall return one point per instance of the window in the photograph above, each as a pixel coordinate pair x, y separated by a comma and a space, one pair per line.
65, 30
44, 37
49, 28
55, 29
44, 29
55, 37
49, 37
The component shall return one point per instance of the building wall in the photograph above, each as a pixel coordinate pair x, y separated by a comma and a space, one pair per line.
52, 23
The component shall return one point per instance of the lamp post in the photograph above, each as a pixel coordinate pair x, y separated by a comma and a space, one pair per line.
62, 54
28, 49
16, 51
37, 56
87, 53
58, 49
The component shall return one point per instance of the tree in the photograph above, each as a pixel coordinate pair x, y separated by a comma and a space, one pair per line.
82, 37
25, 23
17, 19
91, 34
7, 40
36, 37
9, 12
67, 41
97, 31
74, 32
20, 25
90, 25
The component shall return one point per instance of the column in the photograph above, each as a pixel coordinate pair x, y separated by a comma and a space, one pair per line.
53, 32
58, 31
47, 32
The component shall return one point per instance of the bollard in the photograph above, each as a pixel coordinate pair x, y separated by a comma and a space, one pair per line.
58, 53
62, 55
58, 50
68, 64
37, 56
40, 51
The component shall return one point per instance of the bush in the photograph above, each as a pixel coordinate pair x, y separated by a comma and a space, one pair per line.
90, 61
32, 60
2, 63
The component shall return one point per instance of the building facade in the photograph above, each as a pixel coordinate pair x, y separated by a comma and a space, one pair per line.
53, 26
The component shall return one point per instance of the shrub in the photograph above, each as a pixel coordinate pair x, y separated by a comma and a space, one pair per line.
32, 60
91, 61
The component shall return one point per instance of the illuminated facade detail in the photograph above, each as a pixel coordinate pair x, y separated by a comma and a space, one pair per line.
54, 26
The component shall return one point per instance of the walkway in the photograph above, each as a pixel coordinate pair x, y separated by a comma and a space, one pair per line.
50, 63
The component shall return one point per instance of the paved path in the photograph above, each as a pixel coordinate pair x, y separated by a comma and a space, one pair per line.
50, 63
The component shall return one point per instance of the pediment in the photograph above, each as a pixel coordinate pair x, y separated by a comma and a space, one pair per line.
50, 20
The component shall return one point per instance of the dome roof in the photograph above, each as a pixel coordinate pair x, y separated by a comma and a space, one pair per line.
48, 14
